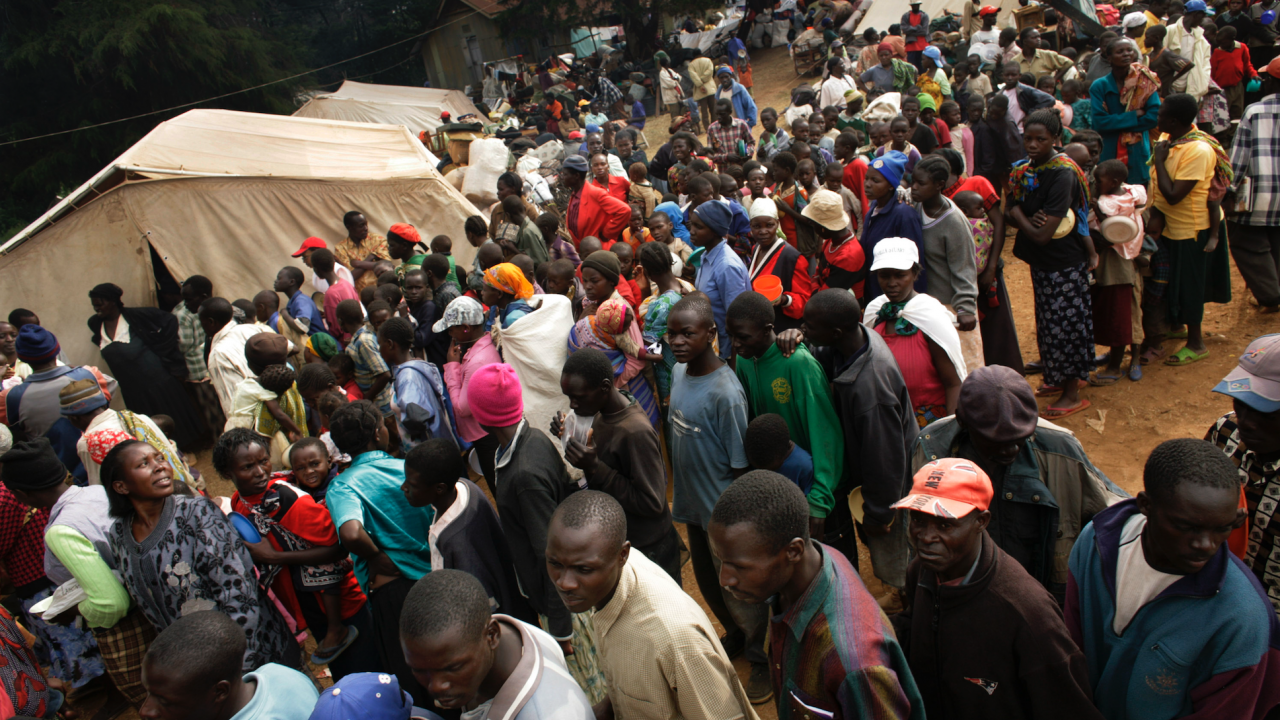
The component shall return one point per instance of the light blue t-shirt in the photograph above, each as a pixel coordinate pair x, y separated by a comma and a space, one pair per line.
708, 424
282, 694
798, 468
369, 491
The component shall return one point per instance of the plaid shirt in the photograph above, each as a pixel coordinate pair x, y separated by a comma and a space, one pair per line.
1253, 155
191, 343
834, 654
609, 92
363, 349
21, 539
725, 140
1261, 482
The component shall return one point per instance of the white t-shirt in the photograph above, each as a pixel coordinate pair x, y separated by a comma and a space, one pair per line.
1137, 583
985, 36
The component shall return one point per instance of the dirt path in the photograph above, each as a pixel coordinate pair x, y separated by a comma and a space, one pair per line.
1167, 403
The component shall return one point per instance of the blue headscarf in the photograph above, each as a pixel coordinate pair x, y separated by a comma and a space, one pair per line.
674, 212
891, 165
716, 215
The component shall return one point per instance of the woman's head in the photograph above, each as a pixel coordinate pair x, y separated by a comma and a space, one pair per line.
133, 471
896, 263
243, 457
357, 428
1177, 114
1040, 132
1124, 52
509, 183
106, 299
764, 222
600, 166
683, 145
477, 231
601, 271
402, 242
929, 178
656, 260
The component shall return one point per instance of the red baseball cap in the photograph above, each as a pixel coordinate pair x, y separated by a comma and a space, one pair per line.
310, 243
949, 488
987, 10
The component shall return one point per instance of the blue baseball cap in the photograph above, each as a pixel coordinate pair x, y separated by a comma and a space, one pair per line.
1256, 379
368, 696
933, 53
1194, 6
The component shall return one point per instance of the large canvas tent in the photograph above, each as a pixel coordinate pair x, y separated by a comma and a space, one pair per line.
229, 195
415, 108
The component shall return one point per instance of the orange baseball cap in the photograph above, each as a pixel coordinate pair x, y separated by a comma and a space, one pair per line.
310, 243
1273, 68
949, 488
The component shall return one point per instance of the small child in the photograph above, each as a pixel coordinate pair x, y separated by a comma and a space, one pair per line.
368, 294
879, 137
769, 447
344, 372
835, 183
382, 267
1115, 304
421, 403
729, 187
443, 245
326, 405
757, 186
636, 234
1048, 85
1232, 68
1081, 107
970, 203
269, 404
379, 312
661, 228
311, 466
642, 191
466, 534
391, 294
899, 131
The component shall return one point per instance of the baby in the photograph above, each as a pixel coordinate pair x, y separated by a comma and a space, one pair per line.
970, 203
1116, 198
269, 404
642, 191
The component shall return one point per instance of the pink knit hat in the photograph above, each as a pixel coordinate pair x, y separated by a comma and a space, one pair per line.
494, 395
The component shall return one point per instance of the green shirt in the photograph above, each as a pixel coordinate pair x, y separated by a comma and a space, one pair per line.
108, 600
796, 388
529, 241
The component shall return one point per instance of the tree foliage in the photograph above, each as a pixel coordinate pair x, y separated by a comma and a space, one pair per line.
76, 64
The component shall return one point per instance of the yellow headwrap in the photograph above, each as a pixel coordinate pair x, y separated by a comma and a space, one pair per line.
509, 279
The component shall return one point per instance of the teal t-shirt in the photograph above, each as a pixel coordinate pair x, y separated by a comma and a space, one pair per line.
281, 694
369, 491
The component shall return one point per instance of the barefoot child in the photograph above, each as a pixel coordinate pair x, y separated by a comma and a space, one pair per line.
1116, 316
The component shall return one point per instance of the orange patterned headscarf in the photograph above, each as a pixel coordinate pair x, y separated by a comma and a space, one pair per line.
509, 279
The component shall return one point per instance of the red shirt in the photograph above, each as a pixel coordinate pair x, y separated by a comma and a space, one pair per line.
919, 42
337, 292
801, 285
1231, 67
941, 132
618, 187
294, 510
21, 539
353, 391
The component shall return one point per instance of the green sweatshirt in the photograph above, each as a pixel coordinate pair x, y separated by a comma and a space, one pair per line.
796, 388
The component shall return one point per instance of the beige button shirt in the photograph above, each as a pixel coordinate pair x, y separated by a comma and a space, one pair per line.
1044, 62
660, 654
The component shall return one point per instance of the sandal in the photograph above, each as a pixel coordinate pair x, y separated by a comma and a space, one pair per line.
1185, 356
1098, 379
1048, 391
1053, 413
1032, 368
1135, 371
323, 656
1152, 354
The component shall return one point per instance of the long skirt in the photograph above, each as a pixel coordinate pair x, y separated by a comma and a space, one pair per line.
1112, 315
1064, 323
123, 648
1197, 277
999, 334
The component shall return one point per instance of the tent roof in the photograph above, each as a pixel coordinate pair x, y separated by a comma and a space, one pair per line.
414, 107
242, 144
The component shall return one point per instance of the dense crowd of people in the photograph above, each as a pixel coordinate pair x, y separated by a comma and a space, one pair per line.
455, 479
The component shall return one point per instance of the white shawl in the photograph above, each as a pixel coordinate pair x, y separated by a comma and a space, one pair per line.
933, 318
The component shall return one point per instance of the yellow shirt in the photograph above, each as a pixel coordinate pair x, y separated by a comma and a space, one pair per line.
1189, 161
660, 654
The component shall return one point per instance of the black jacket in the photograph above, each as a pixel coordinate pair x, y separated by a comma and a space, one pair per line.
994, 649
157, 329
474, 543
529, 488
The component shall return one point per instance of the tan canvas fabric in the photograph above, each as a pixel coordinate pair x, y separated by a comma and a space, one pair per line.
238, 231
417, 109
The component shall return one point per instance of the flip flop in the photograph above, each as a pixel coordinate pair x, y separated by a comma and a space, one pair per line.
1185, 356
1135, 371
1100, 380
1151, 355
1048, 391
1053, 413
323, 656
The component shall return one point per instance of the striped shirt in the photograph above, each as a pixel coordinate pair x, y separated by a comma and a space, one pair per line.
833, 653
191, 343
1253, 156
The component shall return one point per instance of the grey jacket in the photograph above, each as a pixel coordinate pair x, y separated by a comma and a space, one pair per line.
1052, 472
949, 263
879, 424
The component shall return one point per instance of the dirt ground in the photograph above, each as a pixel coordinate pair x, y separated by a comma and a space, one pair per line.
1129, 418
